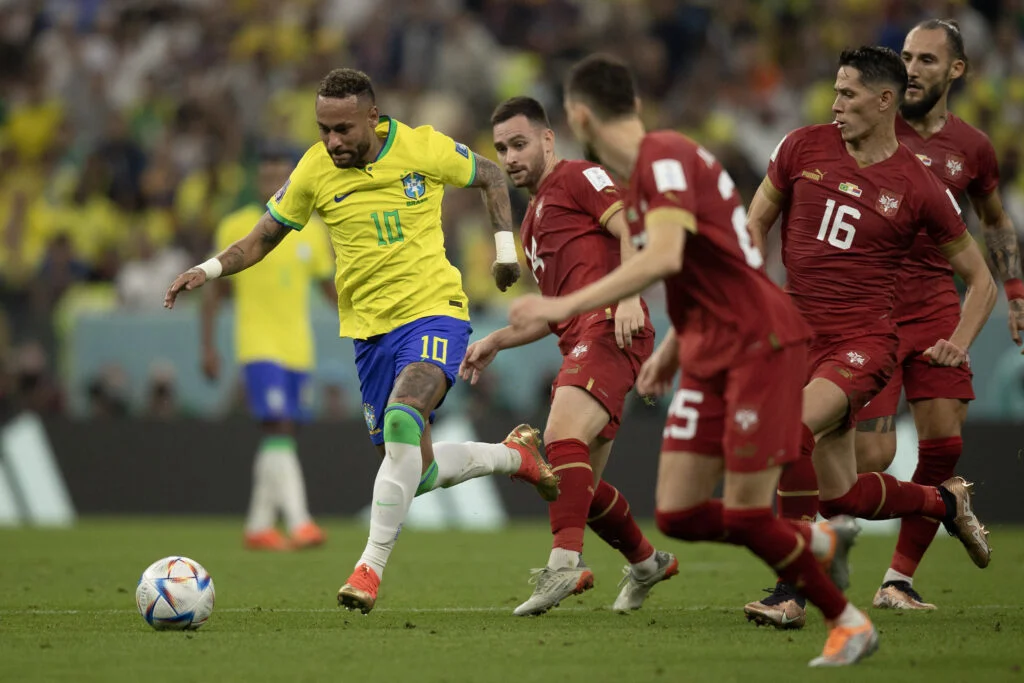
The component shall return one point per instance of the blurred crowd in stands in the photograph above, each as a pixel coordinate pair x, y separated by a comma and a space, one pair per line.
129, 128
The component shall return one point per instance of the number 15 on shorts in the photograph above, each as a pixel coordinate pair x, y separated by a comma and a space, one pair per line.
435, 349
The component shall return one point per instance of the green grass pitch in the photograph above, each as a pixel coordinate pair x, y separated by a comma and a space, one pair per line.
444, 614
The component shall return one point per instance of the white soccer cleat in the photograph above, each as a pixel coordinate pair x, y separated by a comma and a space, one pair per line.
635, 590
553, 586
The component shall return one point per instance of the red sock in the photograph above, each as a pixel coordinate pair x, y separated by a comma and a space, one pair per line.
882, 496
798, 484
699, 523
570, 460
936, 462
776, 542
611, 519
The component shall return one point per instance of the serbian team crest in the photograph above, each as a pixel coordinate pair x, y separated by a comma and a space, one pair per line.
888, 202
580, 350
954, 166
414, 185
370, 416
746, 420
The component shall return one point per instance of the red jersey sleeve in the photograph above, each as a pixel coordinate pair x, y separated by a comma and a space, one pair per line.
781, 164
594, 192
941, 214
986, 180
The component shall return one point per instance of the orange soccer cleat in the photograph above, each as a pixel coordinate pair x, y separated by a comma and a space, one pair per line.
534, 468
360, 591
268, 539
308, 535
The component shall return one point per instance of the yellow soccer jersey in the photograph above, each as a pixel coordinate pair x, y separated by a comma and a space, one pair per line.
385, 224
272, 321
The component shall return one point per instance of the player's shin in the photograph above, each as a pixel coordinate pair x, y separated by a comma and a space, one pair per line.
396, 483
263, 499
611, 519
797, 497
570, 460
291, 485
455, 463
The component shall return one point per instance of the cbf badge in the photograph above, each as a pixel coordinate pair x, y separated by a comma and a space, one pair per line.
370, 416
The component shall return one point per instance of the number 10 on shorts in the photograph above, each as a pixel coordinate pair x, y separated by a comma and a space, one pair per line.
435, 348
684, 413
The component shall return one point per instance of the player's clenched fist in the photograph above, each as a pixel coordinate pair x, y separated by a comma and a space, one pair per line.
190, 279
505, 274
946, 353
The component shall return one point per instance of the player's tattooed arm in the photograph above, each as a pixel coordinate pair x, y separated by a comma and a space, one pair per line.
251, 249
1004, 250
490, 178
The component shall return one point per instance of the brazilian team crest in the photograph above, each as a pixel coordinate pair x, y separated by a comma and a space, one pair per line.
414, 185
370, 416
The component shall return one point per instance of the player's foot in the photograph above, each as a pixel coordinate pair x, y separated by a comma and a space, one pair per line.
634, 590
846, 645
360, 591
899, 595
553, 586
268, 539
534, 468
843, 530
785, 608
964, 524
309, 535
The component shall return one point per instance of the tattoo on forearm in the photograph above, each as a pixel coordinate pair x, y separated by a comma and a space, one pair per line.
1004, 250
491, 179
232, 260
879, 425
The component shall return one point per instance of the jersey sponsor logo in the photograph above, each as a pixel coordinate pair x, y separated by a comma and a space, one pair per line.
926, 160
954, 166
598, 177
371, 418
279, 195
850, 189
746, 420
414, 185
888, 202
580, 350
462, 149
856, 358
668, 175
816, 174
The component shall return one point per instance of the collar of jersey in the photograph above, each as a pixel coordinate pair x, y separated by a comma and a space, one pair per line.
392, 129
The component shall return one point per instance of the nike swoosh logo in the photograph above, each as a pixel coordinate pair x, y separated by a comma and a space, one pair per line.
386, 505
339, 198
787, 620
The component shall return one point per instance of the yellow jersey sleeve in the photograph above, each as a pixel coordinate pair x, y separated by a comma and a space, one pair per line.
455, 163
294, 203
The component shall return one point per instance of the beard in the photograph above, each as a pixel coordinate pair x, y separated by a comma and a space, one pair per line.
929, 98
358, 159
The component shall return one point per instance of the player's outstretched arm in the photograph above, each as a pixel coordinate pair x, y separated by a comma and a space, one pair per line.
662, 256
481, 353
1003, 249
765, 209
490, 178
969, 264
629, 314
240, 255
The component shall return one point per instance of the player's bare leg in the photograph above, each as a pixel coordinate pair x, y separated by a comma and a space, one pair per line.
875, 444
417, 391
939, 423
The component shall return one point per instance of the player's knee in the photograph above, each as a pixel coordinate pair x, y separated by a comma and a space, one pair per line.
875, 455
700, 523
403, 424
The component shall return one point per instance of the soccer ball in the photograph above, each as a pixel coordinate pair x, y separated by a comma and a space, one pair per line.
175, 593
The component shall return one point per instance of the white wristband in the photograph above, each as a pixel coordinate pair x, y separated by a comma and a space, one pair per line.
213, 268
505, 246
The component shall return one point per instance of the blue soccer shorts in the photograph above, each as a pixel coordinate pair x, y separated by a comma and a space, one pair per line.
438, 339
276, 393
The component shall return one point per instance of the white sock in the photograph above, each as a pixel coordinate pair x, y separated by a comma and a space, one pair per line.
291, 488
459, 462
393, 491
821, 541
647, 567
893, 575
851, 617
262, 499
560, 557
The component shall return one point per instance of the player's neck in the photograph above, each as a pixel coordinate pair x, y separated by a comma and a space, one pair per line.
619, 145
874, 148
932, 122
548, 168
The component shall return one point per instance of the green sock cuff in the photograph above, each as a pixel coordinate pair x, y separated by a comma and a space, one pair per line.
278, 442
402, 424
428, 480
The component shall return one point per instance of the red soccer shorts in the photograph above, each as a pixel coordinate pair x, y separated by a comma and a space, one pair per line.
750, 413
859, 366
920, 379
597, 365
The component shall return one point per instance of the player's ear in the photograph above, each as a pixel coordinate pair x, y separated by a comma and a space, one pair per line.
549, 138
957, 69
887, 99
374, 115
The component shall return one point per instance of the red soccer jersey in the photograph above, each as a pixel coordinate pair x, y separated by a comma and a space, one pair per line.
565, 240
962, 157
721, 304
846, 229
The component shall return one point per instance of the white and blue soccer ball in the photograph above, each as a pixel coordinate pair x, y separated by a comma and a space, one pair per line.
175, 593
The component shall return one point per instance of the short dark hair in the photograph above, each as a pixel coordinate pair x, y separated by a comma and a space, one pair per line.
877, 65
954, 38
342, 83
521, 106
605, 83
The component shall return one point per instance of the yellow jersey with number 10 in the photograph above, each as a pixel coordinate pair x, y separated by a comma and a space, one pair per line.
385, 224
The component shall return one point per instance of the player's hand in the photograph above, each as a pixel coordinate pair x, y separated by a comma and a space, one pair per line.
656, 374
479, 355
211, 364
946, 353
505, 274
1016, 321
532, 309
629, 321
192, 278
